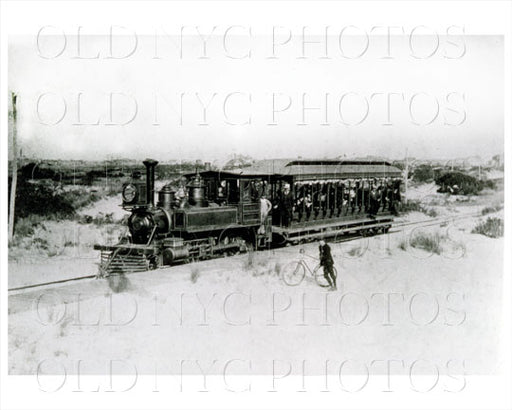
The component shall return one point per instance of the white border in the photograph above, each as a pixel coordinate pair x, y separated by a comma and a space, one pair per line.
478, 17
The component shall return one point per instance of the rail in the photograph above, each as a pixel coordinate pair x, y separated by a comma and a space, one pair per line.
426, 222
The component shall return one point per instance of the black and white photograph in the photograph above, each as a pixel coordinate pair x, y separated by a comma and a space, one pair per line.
288, 204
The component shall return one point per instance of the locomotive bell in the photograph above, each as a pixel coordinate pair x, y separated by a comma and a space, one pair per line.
196, 190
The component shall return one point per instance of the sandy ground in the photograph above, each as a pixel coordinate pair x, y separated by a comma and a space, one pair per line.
105, 206
393, 302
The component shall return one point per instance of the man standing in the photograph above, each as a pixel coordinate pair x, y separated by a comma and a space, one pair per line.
286, 206
327, 263
265, 207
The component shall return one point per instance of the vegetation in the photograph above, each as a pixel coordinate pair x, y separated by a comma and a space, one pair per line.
194, 272
47, 200
492, 227
462, 184
424, 173
118, 283
403, 244
100, 219
88, 174
411, 206
43, 199
491, 209
430, 242
417, 206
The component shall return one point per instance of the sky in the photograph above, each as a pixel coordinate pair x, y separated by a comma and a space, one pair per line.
208, 97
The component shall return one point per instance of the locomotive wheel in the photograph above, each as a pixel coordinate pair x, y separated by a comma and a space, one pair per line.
232, 238
239, 237
153, 262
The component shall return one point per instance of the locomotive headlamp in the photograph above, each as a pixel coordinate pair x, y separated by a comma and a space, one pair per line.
129, 193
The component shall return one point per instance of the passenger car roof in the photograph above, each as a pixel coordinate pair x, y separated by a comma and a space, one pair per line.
307, 169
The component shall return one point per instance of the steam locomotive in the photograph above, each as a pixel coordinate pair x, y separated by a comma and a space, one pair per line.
272, 203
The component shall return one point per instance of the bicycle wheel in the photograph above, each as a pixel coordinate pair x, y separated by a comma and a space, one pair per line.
293, 273
318, 273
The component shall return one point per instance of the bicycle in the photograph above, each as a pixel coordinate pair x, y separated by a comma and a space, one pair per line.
294, 273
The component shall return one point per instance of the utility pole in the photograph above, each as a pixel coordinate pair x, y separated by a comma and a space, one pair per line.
14, 181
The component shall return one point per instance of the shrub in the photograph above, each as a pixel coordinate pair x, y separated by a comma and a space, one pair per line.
427, 241
424, 173
194, 273
25, 227
403, 244
118, 282
488, 183
46, 200
491, 209
492, 227
79, 198
277, 268
103, 219
416, 206
411, 205
354, 251
467, 185
249, 262
430, 212
41, 243
85, 219
42, 199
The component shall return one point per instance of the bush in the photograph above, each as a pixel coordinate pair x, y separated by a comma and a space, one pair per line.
489, 184
46, 200
492, 227
430, 212
25, 226
103, 219
42, 199
80, 199
491, 209
427, 241
465, 184
403, 244
417, 206
354, 251
411, 205
424, 173
194, 273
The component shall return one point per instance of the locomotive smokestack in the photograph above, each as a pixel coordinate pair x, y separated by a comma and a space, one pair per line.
150, 165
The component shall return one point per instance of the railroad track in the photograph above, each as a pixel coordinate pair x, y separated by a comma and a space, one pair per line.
422, 223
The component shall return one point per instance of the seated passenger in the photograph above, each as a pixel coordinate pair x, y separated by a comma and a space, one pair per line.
300, 206
352, 197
